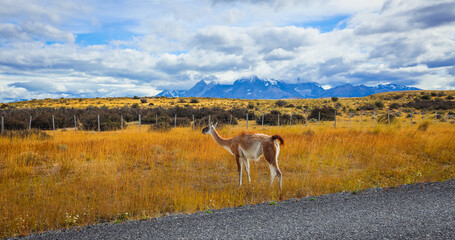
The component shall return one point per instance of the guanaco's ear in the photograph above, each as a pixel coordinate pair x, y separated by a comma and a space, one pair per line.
216, 124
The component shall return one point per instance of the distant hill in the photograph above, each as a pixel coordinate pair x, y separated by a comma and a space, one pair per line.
255, 88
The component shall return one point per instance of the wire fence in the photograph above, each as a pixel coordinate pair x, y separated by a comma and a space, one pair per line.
362, 118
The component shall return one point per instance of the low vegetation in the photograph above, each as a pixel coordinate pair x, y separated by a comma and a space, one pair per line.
51, 181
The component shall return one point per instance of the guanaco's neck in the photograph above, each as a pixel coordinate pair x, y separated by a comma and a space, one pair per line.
219, 140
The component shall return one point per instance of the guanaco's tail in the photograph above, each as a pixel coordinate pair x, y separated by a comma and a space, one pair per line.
279, 138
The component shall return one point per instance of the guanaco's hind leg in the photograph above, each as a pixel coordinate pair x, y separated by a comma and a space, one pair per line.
271, 152
240, 168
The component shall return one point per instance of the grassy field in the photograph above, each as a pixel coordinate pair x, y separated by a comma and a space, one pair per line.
74, 179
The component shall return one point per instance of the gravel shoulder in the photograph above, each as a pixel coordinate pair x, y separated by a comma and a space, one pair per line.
419, 211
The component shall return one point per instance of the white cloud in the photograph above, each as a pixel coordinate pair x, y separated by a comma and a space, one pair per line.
173, 45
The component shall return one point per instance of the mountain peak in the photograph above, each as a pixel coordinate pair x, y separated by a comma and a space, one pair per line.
256, 88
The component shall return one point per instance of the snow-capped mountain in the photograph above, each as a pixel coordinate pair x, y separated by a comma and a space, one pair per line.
255, 88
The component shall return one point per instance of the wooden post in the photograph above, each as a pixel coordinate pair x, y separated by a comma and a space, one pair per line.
388, 117
156, 120
30, 123
175, 121
335, 119
121, 119
262, 124
193, 122
75, 126
247, 121
290, 120
139, 122
230, 121
374, 117
99, 123
53, 124
209, 120
306, 118
319, 118
278, 120
411, 117
3, 125
350, 116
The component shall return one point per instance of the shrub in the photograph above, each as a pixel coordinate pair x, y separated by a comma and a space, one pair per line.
135, 97
143, 100
281, 103
250, 105
367, 106
450, 97
327, 113
385, 120
182, 100
194, 100
290, 105
425, 97
334, 99
379, 104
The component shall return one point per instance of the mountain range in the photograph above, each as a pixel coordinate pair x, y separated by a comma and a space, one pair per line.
255, 88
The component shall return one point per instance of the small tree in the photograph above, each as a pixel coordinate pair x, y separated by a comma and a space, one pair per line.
334, 99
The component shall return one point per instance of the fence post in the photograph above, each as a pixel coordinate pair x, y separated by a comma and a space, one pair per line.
75, 126
139, 122
388, 117
156, 120
30, 123
319, 118
121, 119
306, 118
290, 120
175, 121
262, 124
335, 122
193, 122
411, 117
209, 120
230, 121
3, 124
374, 117
53, 124
98, 123
246, 121
278, 120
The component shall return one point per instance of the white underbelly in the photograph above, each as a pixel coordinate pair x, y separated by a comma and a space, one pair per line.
253, 153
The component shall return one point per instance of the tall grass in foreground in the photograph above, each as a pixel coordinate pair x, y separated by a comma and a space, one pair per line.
84, 178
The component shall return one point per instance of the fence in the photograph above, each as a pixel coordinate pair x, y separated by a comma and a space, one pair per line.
386, 118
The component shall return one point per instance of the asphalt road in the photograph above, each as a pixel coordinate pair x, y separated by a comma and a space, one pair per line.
420, 211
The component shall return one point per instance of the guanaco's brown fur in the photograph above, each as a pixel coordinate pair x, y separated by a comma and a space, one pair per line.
250, 146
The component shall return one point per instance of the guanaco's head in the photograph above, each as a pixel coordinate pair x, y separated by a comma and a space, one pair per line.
208, 129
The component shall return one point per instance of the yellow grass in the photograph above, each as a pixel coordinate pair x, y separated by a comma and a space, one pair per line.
81, 178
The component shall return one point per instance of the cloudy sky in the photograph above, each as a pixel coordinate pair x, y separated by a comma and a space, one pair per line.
91, 48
